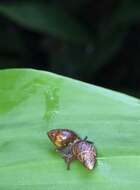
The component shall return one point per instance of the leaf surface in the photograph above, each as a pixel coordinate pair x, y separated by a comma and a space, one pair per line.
33, 102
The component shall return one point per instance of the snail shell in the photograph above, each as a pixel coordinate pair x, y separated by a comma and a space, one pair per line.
62, 137
85, 152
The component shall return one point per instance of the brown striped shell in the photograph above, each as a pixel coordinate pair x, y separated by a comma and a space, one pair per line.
62, 137
85, 152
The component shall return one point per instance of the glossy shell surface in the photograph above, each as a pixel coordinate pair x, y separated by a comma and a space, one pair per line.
62, 137
85, 152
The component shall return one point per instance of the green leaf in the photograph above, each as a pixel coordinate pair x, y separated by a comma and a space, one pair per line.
44, 18
33, 102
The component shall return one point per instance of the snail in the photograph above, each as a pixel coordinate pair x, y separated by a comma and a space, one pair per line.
72, 147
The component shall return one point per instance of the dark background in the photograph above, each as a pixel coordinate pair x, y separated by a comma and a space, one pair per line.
96, 41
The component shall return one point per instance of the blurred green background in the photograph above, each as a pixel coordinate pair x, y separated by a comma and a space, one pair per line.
96, 41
